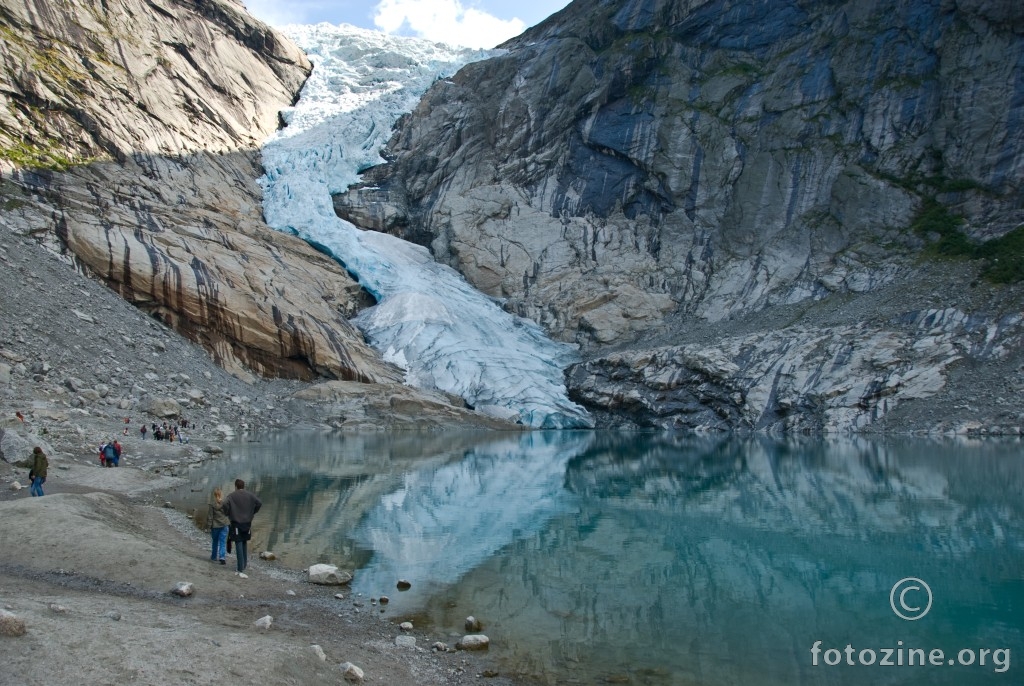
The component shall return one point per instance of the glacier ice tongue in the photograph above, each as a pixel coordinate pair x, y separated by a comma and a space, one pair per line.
428, 319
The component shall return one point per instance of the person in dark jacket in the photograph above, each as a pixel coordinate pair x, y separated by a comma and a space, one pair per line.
38, 471
240, 507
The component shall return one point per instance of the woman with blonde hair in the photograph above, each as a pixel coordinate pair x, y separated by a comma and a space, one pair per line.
218, 523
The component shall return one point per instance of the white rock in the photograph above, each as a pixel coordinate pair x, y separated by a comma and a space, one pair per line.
225, 431
328, 575
319, 652
405, 641
405, 626
473, 624
183, 589
264, 622
267, 555
15, 486
473, 642
351, 673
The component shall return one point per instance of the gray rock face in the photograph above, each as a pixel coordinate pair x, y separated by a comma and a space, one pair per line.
138, 77
835, 379
631, 168
145, 119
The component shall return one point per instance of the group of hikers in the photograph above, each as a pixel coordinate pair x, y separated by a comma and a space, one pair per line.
167, 432
110, 454
229, 518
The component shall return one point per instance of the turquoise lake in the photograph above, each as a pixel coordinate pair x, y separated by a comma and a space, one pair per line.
636, 558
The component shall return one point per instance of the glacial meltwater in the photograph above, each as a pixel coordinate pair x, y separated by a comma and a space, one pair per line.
595, 557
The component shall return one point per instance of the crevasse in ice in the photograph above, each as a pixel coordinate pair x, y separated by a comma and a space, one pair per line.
428, 319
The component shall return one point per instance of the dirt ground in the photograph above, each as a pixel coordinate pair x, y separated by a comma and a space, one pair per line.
90, 567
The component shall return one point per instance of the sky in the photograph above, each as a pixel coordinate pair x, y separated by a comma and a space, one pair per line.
466, 23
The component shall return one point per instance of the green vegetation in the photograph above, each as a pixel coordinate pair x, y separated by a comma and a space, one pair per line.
742, 69
34, 156
1004, 256
933, 219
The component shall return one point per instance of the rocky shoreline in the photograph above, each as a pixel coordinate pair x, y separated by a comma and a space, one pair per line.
88, 574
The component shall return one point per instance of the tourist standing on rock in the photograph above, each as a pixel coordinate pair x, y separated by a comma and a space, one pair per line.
240, 507
38, 472
218, 523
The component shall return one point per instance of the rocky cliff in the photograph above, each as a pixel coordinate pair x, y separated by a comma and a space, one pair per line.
751, 203
128, 146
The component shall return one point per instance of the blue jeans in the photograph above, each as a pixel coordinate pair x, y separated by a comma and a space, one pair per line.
242, 554
37, 486
218, 542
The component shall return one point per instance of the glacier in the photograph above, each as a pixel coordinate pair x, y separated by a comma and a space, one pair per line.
428, 320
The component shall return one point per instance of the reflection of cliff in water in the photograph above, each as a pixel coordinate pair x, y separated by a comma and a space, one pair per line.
722, 560
852, 487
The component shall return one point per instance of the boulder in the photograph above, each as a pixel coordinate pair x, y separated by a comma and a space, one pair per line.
16, 450
163, 408
328, 575
225, 431
183, 589
473, 642
405, 641
11, 625
351, 673
264, 622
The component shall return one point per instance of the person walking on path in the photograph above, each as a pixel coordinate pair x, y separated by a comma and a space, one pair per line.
108, 454
142, 430
240, 507
218, 523
38, 471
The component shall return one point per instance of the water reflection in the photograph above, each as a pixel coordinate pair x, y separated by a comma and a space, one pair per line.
660, 559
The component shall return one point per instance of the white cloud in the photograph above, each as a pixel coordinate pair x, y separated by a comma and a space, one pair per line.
445, 21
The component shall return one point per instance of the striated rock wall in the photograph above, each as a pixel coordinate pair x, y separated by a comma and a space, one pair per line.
632, 171
128, 145
796, 379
